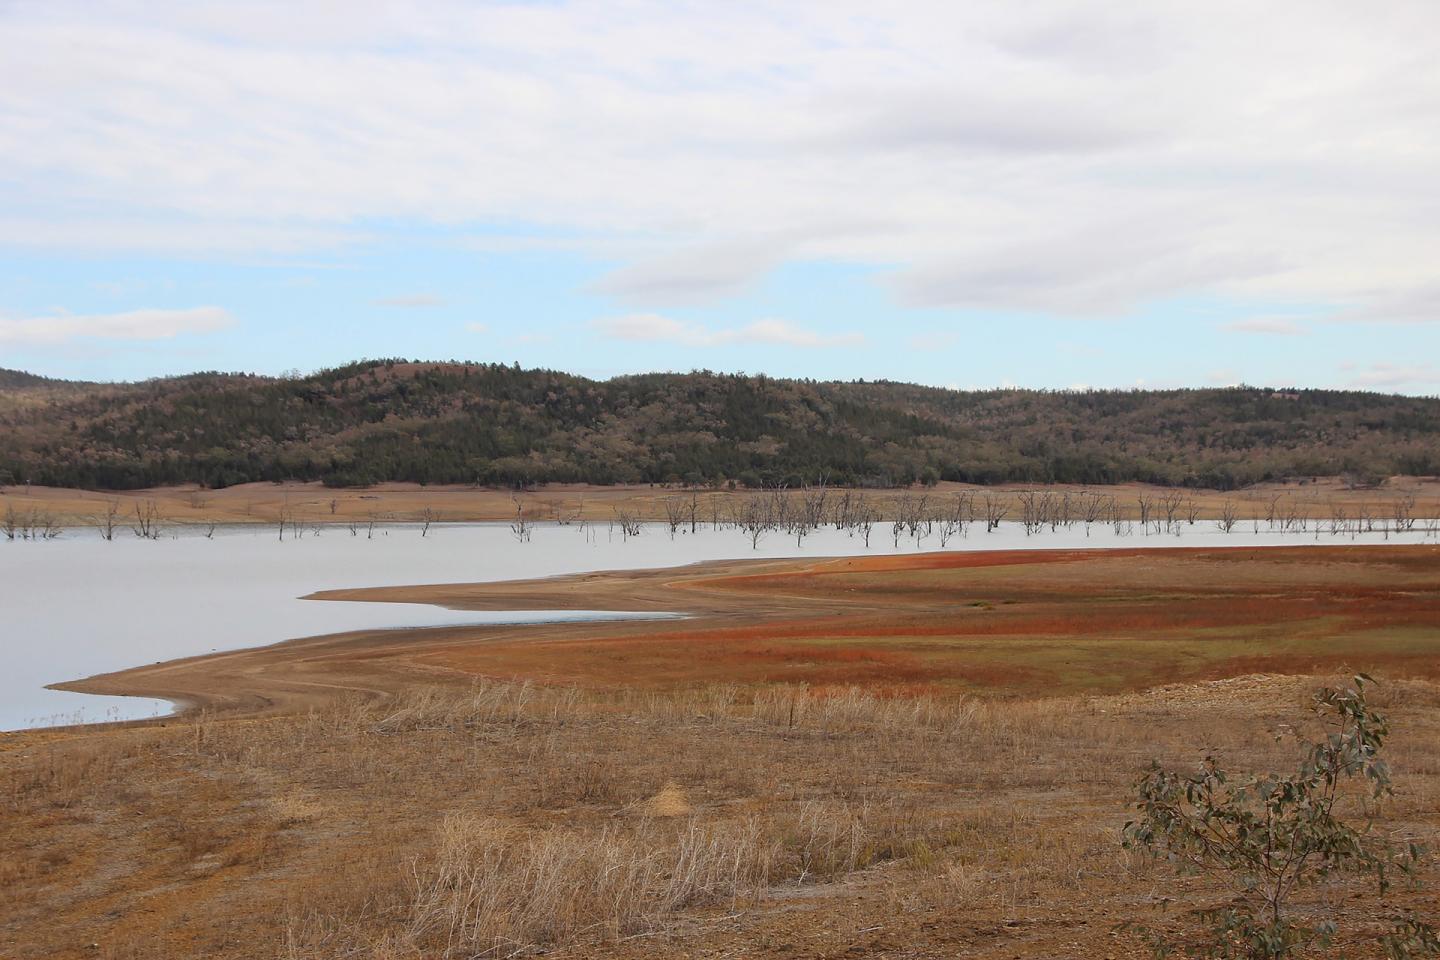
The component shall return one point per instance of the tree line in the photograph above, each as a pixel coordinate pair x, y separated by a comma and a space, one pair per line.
497, 424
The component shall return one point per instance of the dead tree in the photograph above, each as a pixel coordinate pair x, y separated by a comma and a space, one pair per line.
778, 506
963, 512
427, 517
109, 520
865, 522
914, 511
1092, 507
147, 521
995, 510
960, 514
1338, 519
49, 527
812, 502
1403, 511
1146, 504
674, 513
1061, 511
520, 526
1116, 517
1229, 514
756, 517
1272, 511
1031, 510
629, 523
1170, 506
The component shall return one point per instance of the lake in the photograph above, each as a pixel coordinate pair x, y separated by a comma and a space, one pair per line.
78, 605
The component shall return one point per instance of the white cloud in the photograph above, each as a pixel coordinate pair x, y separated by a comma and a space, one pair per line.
1418, 304
477, 328
645, 327
149, 324
411, 300
787, 334
1275, 326
944, 142
655, 328
695, 274
1395, 376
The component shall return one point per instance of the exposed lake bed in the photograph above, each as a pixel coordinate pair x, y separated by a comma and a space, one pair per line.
78, 606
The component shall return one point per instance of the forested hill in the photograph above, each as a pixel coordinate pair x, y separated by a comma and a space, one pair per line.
20, 380
493, 424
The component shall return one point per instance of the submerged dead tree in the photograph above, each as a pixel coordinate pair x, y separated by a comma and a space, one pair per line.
147, 521
108, 521
1229, 516
996, 508
520, 526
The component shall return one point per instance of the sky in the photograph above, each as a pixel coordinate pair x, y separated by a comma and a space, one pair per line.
1048, 194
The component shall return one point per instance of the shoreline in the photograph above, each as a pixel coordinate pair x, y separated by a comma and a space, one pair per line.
716, 599
314, 504
184, 705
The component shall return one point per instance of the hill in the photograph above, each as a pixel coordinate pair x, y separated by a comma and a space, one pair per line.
375, 421
19, 379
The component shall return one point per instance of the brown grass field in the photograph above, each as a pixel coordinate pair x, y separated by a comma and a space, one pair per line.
312, 502
919, 756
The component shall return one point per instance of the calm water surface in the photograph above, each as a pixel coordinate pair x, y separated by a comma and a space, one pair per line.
79, 606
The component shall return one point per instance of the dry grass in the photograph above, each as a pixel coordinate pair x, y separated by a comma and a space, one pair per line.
650, 812
510, 818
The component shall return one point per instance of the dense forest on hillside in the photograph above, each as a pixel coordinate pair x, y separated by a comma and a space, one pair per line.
453, 422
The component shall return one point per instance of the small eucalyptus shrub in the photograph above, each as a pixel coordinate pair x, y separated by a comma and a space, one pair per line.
1268, 836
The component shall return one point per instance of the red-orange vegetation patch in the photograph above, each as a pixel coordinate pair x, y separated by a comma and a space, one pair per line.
1416, 559
932, 629
897, 564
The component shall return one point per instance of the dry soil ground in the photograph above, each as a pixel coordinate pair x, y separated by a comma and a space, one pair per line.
904, 757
